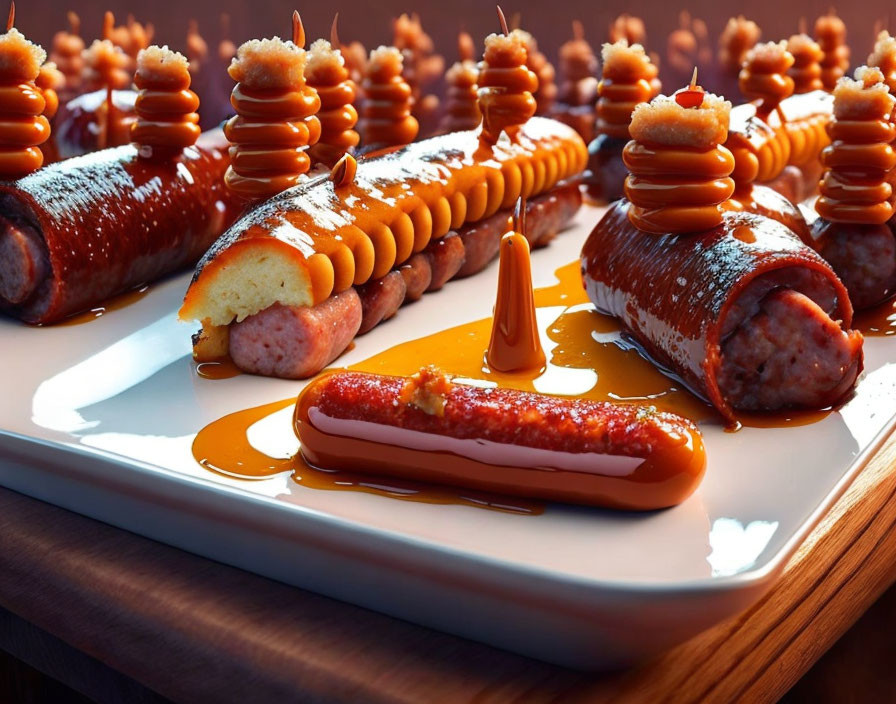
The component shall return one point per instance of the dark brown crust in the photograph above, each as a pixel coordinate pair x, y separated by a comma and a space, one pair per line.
110, 221
673, 293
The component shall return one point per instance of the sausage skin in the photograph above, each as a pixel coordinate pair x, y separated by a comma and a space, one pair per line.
501, 440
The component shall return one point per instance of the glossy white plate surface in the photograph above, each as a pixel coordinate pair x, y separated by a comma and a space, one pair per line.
99, 418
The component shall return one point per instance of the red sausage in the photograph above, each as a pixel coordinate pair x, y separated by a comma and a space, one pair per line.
499, 440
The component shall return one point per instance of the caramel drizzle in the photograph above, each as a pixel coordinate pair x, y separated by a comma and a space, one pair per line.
167, 121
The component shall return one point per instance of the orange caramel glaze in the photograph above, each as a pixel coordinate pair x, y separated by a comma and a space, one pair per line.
462, 100
396, 204
628, 80
806, 69
275, 119
764, 76
794, 134
326, 73
167, 120
830, 33
386, 118
23, 126
855, 187
664, 201
506, 86
514, 345
222, 447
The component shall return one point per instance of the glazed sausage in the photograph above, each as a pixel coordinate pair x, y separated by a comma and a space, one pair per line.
76, 232
499, 440
707, 306
323, 331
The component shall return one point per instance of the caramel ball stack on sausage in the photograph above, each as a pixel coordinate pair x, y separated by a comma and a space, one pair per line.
669, 140
830, 33
386, 118
23, 126
739, 36
806, 69
578, 90
462, 99
422, 68
856, 192
276, 118
629, 79
106, 66
326, 73
764, 76
167, 121
506, 86
66, 53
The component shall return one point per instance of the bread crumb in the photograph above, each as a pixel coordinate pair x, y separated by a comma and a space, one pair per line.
269, 63
427, 390
506, 49
20, 59
769, 57
664, 121
161, 64
624, 63
884, 53
322, 59
866, 97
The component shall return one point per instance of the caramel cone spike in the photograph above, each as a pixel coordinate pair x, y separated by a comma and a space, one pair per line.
515, 20
11, 19
334, 33
502, 20
578, 30
802, 26
694, 79
298, 31
74, 22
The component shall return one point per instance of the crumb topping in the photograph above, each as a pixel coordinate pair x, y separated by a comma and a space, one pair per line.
427, 390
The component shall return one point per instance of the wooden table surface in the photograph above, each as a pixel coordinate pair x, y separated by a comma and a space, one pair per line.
193, 630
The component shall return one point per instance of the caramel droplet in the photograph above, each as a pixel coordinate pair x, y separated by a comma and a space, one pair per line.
343, 173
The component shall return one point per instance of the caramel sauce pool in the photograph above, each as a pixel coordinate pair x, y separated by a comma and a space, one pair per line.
585, 358
879, 321
122, 300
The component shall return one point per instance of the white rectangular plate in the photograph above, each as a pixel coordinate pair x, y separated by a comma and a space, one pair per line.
99, 418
